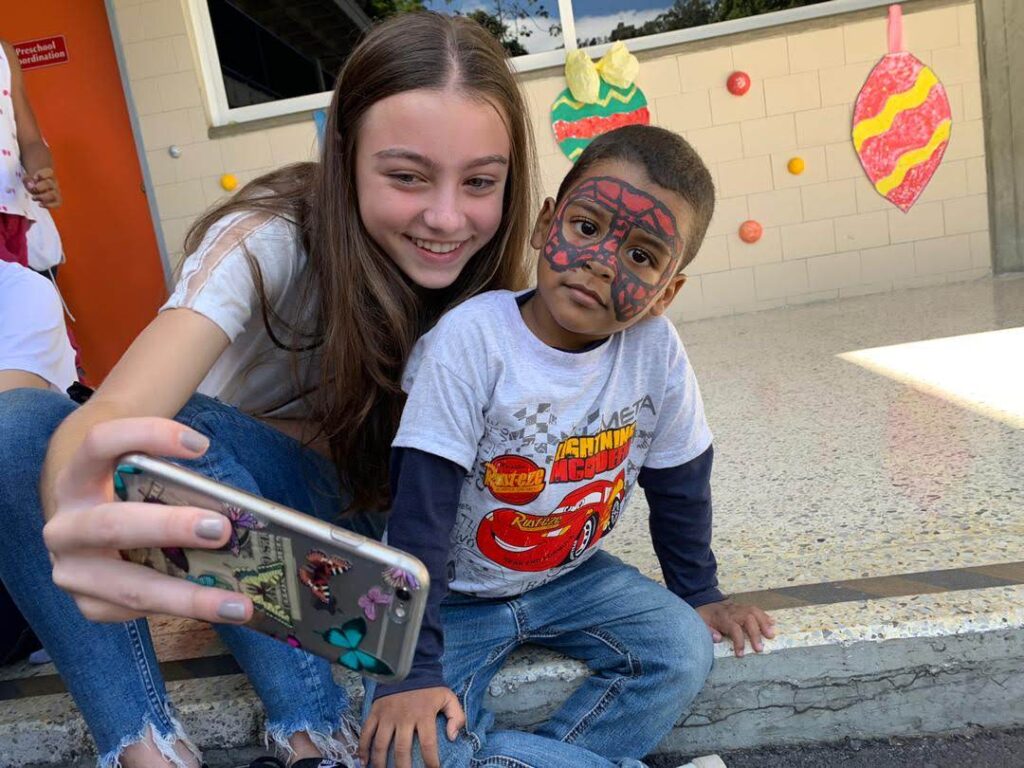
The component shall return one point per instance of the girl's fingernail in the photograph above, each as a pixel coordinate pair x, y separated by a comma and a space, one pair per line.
232, 610
194, 441
211, 528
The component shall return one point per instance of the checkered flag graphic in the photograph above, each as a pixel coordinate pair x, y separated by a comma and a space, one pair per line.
539, 428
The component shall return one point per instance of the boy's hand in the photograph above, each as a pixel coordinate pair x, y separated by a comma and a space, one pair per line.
733, 619
401, 716
43, 187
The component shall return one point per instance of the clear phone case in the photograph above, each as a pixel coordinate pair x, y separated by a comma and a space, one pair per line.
314, 586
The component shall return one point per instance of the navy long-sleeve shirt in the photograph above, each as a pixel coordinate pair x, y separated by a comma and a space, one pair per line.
425, 497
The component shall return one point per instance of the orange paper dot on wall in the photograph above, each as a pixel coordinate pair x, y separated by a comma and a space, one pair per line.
796, 165
750, 231
738, 83
229, 181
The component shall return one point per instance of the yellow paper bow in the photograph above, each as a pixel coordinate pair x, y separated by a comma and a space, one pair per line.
618, 66
581, 75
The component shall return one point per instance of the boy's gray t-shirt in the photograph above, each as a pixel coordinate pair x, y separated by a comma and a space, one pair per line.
552, 441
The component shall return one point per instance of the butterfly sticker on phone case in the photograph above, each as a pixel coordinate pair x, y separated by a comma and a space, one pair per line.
371, 600
348, 638
316, 574
399, 578
241, 523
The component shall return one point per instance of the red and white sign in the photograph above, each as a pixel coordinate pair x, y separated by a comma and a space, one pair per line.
43, 52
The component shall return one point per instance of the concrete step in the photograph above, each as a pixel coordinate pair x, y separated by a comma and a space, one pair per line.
895, 666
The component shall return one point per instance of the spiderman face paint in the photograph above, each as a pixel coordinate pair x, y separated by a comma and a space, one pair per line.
622, 234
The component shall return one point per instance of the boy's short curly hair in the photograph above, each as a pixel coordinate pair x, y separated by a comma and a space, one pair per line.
669, 161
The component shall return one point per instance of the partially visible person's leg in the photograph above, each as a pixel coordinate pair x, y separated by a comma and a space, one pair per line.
649, 653
110, 669
307, 712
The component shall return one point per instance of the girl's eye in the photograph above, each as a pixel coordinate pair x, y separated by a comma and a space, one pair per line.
585, 227
404, 178
481, 184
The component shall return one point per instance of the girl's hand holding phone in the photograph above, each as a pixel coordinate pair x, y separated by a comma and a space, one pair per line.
89, 528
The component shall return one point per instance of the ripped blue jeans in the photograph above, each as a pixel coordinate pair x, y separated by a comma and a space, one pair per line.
111, 669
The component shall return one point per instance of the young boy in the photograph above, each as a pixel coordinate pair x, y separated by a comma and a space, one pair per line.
529, 422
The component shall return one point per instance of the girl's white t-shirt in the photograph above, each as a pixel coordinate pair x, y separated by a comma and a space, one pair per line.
216, 281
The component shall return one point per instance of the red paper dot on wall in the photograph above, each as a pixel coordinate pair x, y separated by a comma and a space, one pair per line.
738, 83
750, 231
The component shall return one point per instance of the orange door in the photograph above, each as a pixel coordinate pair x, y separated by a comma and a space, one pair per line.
113, 280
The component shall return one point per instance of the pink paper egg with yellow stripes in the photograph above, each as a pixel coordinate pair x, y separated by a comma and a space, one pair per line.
901, 127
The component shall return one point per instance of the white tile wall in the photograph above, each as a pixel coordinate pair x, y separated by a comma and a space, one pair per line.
812, 238
792, 93
764, 251
827, 232
767, 135
781, 206
820, 49
829, 200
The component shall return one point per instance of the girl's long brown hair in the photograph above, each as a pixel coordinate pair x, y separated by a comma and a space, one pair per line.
368, 314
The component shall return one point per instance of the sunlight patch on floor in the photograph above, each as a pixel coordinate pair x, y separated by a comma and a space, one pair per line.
983, 372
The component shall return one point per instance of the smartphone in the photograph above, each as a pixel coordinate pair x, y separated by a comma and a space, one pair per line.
315, 586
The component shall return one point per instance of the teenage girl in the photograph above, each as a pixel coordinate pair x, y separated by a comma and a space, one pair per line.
278, 355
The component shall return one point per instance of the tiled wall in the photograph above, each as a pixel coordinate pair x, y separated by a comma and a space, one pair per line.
827, 233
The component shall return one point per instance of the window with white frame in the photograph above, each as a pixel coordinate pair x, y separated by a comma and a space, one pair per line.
606, 21
262, 58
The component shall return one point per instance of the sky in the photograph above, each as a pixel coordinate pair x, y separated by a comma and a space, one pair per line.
594, 18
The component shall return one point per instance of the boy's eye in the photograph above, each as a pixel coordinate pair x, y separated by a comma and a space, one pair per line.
641, 258
585, 227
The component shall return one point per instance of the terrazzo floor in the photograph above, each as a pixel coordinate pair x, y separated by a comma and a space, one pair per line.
826, 470
854, 500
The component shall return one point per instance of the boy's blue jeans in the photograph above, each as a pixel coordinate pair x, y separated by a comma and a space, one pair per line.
110, 669
648, 651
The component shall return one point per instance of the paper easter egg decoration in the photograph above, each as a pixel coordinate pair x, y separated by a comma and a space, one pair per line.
901, 122
579, 115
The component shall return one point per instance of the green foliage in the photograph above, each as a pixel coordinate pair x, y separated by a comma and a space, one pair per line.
382, 9
494, 25
694, 13
511, 21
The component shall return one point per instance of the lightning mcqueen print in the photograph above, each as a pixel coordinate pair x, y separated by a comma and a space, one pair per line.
523, 542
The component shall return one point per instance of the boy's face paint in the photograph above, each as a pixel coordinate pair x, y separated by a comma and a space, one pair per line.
628, 209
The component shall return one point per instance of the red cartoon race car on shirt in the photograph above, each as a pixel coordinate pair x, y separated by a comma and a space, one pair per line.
525, 542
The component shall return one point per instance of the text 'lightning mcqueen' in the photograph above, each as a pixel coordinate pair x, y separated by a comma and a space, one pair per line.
525, 542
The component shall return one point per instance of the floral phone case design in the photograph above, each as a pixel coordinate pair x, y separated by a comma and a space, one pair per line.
313, 585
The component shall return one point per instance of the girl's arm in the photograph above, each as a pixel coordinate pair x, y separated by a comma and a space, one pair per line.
87, 528
156, 376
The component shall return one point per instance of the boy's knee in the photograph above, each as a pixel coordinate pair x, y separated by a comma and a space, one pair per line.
689, 648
